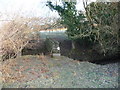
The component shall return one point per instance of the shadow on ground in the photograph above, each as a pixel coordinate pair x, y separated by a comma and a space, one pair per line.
106, 61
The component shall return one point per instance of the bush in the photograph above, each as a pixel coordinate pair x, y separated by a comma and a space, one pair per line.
99, 25
104, 20
15, 35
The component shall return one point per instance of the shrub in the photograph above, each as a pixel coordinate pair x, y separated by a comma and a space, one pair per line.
99, 24
15, 35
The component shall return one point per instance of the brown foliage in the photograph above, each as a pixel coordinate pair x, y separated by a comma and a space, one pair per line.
8, 75
15, 35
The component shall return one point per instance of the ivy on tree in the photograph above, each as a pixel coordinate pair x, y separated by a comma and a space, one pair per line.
98, 24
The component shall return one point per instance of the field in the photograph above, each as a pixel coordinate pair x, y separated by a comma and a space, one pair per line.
57, 72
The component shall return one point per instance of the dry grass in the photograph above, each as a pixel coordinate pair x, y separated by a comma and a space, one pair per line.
12, 71
8, 75
42, 57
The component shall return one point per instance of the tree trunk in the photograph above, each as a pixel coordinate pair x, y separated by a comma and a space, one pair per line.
73, 44
19, 54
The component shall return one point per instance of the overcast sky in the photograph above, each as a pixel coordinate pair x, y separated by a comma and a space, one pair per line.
26, 7
33, 7
30, 7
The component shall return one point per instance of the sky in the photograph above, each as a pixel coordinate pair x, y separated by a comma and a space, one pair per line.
33, 7
30, 8
26, 7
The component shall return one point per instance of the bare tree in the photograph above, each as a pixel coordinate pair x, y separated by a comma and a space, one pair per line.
14, 36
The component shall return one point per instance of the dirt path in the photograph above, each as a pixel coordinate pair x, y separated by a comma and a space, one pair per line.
58, 72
